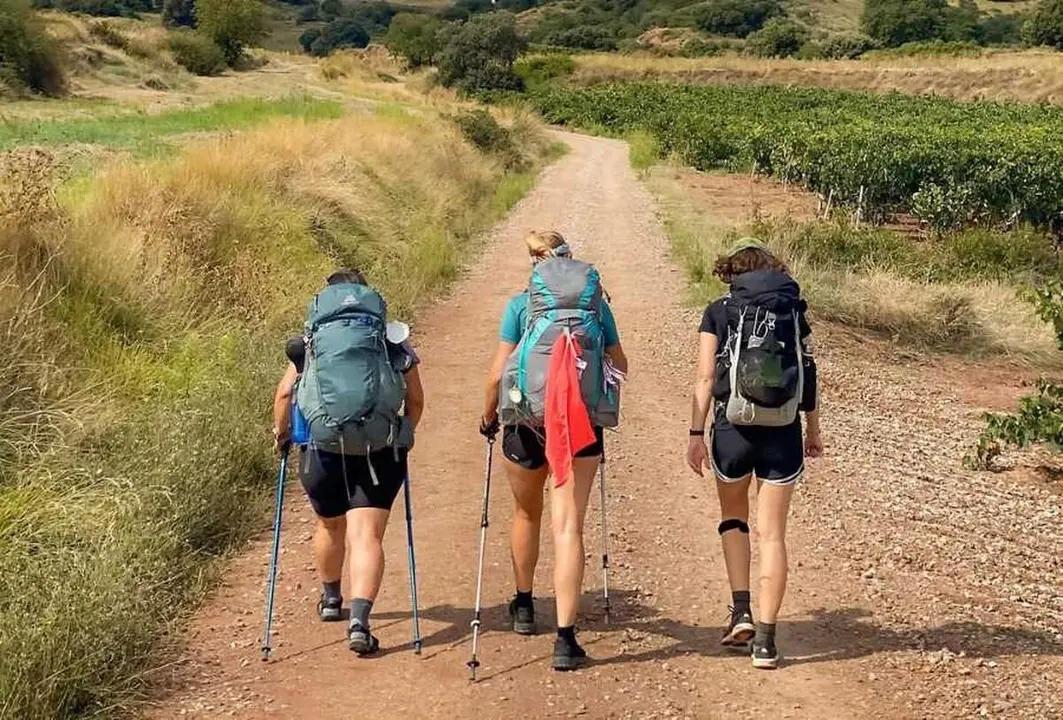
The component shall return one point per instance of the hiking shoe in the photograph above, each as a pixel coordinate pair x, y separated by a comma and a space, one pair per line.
568, 655
740, 630
765, 655
522, 618
360, 640
330, 609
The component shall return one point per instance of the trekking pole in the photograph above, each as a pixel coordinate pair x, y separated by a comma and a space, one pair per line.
412, 562
475, 662
271, 583
605, 533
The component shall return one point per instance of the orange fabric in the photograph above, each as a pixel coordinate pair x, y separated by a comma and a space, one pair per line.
568, 424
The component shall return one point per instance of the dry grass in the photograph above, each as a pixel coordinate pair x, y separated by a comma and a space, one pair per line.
144, 310
1031, 76
704, 213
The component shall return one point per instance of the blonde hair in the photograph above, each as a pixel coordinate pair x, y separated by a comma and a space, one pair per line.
543, 245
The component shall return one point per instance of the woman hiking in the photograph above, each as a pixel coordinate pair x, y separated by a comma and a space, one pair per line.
755, 372
351, 472
539, 351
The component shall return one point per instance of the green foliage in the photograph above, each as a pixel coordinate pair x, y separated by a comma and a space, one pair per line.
343, 33
197, 53
1002, 29
331, 9
415, 38
1040, 417
876, 152
104, 8
780, 37
233, 25
895, 22
1045, 26
478, 55
179, 13
481, 129
736, 18
847, 46
539, 70
29, 58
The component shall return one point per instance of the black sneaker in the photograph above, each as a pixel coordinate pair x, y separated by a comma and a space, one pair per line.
522, 618
765, 655
330, 609
740, 630
568, 655
360, 640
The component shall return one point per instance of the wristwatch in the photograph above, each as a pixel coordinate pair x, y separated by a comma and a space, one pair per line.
697, 433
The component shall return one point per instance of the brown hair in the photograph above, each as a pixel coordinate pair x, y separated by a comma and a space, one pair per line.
728, 267
541, 245
342, 276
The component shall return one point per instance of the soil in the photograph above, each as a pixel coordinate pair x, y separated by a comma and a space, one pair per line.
917, 589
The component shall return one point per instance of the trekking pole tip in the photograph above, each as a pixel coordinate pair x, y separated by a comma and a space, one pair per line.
265, 654
472, 665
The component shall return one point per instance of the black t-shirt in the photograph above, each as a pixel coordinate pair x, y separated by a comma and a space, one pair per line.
715, 320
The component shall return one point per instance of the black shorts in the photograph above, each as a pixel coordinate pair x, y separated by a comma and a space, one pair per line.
776, 455
526, 446
333, 492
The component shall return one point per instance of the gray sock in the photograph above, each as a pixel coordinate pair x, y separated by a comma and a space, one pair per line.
331, 590
765, 633
360, 608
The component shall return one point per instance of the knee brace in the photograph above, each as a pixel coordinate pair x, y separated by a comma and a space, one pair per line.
733, 524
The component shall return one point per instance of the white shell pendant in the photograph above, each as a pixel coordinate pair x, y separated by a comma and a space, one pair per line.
515, 395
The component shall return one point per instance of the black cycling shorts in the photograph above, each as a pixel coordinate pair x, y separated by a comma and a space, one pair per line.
776, 455
526, 446
336, 483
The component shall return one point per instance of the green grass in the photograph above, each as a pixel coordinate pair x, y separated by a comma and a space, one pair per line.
143, 133
643, 150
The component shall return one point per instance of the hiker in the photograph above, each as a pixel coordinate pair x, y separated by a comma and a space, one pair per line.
534, 346
355, 464
755, 372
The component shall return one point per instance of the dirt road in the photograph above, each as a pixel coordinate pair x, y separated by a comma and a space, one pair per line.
896, 553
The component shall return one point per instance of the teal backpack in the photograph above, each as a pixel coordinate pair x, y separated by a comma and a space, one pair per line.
350, 393
564, 295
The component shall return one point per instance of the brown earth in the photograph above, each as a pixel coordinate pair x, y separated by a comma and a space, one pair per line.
918, 589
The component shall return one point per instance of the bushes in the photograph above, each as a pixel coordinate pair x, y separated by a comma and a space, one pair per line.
105, 8
895, 22
481, 129
1045, 26
179, 13
737, 18
480, 54
779, 37
415, 38
196, 53
343, 33
232, 25
29, 58
539, 70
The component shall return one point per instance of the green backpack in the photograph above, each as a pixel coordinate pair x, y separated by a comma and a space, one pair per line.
350, 393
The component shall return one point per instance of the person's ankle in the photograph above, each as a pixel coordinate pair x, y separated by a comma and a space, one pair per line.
360, 609
567, 633
765, 634
523, 599
741, 599
331, 590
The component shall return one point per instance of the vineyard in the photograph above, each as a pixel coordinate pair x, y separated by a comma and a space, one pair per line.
947, 163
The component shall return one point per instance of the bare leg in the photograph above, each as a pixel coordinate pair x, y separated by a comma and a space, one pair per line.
568, 505
734, 504
329, 547
527, 486
366, 528
773, 507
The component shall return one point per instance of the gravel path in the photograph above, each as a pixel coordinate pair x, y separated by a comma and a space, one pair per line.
917, 590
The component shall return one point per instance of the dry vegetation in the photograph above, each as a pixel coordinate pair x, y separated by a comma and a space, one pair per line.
144, 303
1032, 76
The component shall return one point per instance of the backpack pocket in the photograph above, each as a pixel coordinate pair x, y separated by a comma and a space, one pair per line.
347, 359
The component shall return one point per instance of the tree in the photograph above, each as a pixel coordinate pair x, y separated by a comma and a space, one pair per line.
479, 54
415, 38
737, 18
895, 22
1045, 26
780, 37
231, 24
179, 13
963, 22
331, 9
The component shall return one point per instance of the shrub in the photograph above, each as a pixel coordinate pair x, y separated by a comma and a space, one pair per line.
481, 129
108, 34
1045, 26
232, 25
737, 18
697, 47
541, 69
197, 53
29, 57
343, 33
479, 55
895, 22
415, 38
847, 46
584, 37
780, 37
104, 8
1002, 29
179, 13
310, 13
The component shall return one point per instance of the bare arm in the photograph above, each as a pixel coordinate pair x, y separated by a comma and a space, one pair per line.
616, 356
494, 379
704, 379
414, 396
282, 403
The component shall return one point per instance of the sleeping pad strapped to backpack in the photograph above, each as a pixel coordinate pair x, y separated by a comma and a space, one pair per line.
350, 393
564, 295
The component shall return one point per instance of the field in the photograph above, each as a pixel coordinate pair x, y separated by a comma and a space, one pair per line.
157, 248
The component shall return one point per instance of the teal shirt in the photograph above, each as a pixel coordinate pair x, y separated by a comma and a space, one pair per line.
516, 313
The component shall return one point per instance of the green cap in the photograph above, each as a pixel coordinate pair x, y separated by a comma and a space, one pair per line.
746, 243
